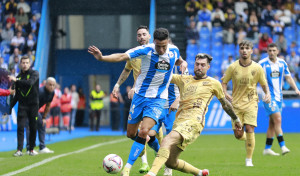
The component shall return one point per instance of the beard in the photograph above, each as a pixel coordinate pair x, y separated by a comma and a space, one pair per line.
198, 74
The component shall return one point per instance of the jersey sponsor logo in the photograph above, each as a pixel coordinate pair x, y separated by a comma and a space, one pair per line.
244, 81
206, 83
275, 74
132, 109
197, 103
162, 66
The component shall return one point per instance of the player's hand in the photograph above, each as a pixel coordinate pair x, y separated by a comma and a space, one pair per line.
174, 106
297, 92
44, 122
12, 78
267, 98
183, 67
95, 52
12, 91
131, 93
228, 97
238, 125
116, 91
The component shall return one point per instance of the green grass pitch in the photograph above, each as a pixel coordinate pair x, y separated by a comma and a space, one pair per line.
221, 154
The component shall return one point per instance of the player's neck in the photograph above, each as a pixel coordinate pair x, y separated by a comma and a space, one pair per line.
245, 62
274, 60
200, 77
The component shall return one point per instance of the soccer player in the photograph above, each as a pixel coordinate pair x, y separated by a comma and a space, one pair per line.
158, 61
196, 93
245, 74
143, 37
275, 68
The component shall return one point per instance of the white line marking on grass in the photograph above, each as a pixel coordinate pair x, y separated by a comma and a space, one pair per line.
62, 155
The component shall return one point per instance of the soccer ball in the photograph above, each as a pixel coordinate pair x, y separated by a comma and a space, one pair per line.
112, 163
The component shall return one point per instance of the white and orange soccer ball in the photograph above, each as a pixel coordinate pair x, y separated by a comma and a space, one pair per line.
112, 163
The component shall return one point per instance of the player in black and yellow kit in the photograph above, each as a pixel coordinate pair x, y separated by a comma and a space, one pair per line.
27, 94
196, 93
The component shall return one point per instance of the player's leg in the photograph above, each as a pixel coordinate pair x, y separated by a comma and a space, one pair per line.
21, 122
269, 140
98, 116
250, 144
276, 117
239, 134
32, 117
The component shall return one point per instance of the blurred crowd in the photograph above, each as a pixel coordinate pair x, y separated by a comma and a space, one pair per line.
217, 27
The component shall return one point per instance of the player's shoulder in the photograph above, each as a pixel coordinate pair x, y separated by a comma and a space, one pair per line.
235, 64
213, 80
282, 61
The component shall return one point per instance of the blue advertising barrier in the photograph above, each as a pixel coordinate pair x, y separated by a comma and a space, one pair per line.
218, 121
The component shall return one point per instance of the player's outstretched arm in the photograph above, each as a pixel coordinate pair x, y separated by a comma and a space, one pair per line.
124, 75
110, 58
182, 63
226, 105
291, 82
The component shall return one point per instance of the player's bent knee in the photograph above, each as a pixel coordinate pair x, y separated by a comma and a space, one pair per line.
171, 164
238, 134
143, 133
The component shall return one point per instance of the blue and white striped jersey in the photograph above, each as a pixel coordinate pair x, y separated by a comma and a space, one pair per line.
156, 70
173, 88
274, 73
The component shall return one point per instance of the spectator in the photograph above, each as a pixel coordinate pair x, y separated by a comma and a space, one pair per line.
228, 4
255, 56
281, 44
188, 20
13, 72
11, 7
115, 111
80, 108
229, 18
192, 33
292, 47
74, 103
11, 19
217, 22
240, 35
15, 65
127, 103
293, 61
33, 26
31, 57
253, 35
240, 24
55, 108
297, 8
218, 14
228, 35
17, 42
22, 4
3, 64
252, 20
7, 34
226, 63
96, 105
207, 5
12, 57
277, 25
19, 28
30, 43
240, 6
267, 15
204, 18
43, 83
21, 17
192, 7
264, 41
66, 107
245, 15
254, 6
289, 4
285, 15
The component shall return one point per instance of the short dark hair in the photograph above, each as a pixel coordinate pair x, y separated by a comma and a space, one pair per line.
246, 43
24, 57
161, 34
142, 27
204, 56
271, 45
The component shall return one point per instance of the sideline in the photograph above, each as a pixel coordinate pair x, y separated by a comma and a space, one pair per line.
62, 155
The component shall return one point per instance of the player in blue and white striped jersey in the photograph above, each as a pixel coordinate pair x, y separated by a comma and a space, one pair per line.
275, 68
158, 61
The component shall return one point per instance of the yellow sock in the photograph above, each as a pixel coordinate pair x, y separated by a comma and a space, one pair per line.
144, 151
161, 158
243, 138
250, 144
186, 167
160, 136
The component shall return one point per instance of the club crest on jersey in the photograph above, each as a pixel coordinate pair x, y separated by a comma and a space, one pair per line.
162, 66
171, 54
275, 74
253, 72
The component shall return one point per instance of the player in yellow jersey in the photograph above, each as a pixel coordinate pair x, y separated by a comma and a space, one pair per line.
196, 93
245, 74
143, 36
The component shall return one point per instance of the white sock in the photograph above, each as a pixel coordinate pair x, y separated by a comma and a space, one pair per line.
144, 159
200, 173
151, 174
128, 165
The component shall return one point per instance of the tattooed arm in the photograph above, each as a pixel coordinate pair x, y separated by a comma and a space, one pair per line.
124, 75
226, 105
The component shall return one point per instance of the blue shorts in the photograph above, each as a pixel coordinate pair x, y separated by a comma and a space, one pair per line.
273, 107
145, 107
167, 119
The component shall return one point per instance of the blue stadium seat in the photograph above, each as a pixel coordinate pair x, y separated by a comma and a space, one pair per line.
204, 34
217, 37
228, 49
217, 46
216, 54
36, 7
216, 30
265, 29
